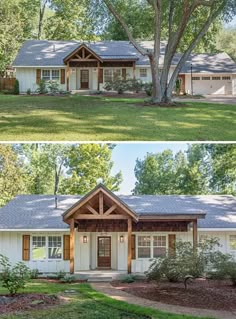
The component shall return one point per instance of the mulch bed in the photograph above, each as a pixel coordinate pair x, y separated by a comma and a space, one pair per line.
27, 301
140, 95
209, 294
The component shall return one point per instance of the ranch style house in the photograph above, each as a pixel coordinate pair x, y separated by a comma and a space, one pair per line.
102, 230
87, 66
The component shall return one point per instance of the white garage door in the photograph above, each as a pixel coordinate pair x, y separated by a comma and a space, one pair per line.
212, 85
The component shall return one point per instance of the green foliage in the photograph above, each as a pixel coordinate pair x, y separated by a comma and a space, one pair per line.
42, 87
13, 277
68, 278
118, 85
129, 279
53, 87
28, 92
34, 273
178, 86
60, 274
206, 261
148, 87
135, 85
225, 41
16, 89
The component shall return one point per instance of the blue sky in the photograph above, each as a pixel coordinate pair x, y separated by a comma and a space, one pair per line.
125, 154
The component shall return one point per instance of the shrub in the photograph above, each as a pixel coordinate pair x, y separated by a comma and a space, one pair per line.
60, 274
53, 87
148, 87
16, 89
42, 88
68, 278
34, 273
178, 86
28, 92
13, 277
129, 279
134, 85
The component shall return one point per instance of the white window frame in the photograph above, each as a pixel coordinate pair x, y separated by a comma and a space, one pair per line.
55, 78
226, 78
50, 75
141, 75
112, 70
151, 244
230, 249
46, 247
216, 78
196, 78
206, 78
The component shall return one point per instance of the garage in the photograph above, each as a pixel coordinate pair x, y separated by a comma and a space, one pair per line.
216, 84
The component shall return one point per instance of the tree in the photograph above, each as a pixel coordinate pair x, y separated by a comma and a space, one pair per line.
87, 165
179, 17
225, 41
11, 174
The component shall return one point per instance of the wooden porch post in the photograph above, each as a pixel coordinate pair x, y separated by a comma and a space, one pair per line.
129, 244
134, 70
72, 240
67, 76
195, 236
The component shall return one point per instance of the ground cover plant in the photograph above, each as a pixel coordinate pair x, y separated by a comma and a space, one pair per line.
100, 118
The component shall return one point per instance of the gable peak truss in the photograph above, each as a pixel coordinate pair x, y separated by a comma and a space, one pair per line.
81, 54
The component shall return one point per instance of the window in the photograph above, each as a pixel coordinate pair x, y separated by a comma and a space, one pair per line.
226, 78
54, 247
216, 78
159, 246
196, 78
143, 73
144, 246
46, 75
232, 242
55, 75
39, 247
111, 74
206, 78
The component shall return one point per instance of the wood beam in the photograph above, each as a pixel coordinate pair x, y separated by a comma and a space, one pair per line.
78, 56
83, 53
91, 209
87, 216
67, 76
72, 246
83, 60
195, 242
129, 245
110, 210
101, 203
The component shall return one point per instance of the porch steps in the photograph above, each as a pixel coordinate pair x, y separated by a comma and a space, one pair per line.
100, 276
99, 279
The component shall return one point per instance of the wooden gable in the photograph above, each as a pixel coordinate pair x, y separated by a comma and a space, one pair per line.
82, 54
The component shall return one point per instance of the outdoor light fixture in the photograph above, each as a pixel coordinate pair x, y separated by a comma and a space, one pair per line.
121, 239
85, 239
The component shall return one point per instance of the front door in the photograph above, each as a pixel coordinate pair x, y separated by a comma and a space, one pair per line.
84, 79
104, 252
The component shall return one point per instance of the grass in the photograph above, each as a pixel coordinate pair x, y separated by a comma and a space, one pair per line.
81, 118
87, 304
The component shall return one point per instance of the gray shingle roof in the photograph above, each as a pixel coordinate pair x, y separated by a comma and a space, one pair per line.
51, 53
38, 211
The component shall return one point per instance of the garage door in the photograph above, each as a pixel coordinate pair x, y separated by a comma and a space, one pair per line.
212, 85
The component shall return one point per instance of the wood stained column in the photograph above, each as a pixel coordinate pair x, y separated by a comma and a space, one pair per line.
129, 244
195, 236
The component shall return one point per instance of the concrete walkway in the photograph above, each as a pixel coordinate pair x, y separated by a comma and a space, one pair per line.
118, 294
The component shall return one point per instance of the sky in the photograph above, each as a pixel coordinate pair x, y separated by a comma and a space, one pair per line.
125, 154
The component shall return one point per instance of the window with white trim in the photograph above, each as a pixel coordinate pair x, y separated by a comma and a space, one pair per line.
144, 246
111, 74
46, 75
216, 78
226, 78
55, 75
39, 248
232, 242
143, 73
159, 246
206, 78
54, 247
196, 78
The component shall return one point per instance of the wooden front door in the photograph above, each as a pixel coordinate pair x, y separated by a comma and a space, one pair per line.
104, 252
84, 79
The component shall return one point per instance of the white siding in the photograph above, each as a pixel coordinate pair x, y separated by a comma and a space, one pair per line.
234, 84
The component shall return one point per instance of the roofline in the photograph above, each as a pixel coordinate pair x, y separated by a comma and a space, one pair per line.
173, 216
65, 60
35, 229
39, 66
216, 229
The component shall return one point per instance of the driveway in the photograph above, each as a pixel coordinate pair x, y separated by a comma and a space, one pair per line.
219, 99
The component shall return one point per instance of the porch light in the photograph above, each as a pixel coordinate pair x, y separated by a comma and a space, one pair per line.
85, 239
121, 239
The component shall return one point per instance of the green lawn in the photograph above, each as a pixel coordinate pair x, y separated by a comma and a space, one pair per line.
81, 118
87, 304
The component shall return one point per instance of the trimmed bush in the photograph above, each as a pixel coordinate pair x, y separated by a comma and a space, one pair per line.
42, 88
148, 87
16, 89
129, 279
53, 87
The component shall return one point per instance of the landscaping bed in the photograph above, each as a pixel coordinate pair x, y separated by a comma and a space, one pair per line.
207, 294
27, 301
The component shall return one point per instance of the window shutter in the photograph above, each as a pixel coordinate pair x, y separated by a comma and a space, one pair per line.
63, 76
124, 74
172, 240
133, 247
100, 76
66, 247
38, 76
26, 247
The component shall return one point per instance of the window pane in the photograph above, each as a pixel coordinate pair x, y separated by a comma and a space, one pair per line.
143, 73
107, 75
144, 241
55, 75
117, 74
54, 247
144, 252
39, 247
159, 251
232, 240
46, 75
159, 241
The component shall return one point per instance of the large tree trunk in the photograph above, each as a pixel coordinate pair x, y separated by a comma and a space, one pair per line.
156, 91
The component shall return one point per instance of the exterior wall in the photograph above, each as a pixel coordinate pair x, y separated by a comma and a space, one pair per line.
209, 86
234, 84
11, 246
27, 78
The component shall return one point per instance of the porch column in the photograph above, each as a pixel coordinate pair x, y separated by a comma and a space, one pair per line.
129, 244
195, 236
134, 70
72, 244
67, 76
